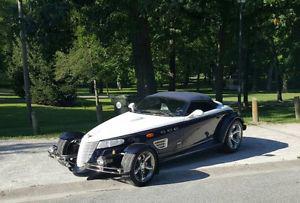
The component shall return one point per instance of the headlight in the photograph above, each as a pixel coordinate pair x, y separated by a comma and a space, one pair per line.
109, 143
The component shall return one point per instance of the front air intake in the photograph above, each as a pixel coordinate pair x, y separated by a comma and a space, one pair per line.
161, 144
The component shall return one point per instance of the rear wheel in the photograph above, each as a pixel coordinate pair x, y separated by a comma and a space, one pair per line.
233, 137
140, 166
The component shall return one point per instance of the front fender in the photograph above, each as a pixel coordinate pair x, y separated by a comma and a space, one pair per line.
71, 136
225, 123
135, 148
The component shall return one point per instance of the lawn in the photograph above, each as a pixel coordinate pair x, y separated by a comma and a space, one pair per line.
52, 120
82, 117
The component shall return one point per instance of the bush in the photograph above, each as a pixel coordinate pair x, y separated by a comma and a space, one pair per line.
18, 83
46, 90
67, 94
47, 93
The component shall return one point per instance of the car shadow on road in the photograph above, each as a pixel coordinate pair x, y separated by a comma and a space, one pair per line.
184, 169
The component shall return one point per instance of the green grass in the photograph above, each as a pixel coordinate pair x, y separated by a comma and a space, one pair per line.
269, 109
82, 116
111, 91
52, 120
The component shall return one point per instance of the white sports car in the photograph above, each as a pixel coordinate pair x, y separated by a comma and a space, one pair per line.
161, 127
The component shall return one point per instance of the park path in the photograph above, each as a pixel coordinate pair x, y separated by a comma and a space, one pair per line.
25, 163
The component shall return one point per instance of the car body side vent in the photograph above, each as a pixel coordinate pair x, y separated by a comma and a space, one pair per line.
161, 144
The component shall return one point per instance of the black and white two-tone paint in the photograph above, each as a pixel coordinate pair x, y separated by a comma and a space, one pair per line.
161, 127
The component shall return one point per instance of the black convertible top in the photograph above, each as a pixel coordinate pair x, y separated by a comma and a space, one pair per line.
183, 96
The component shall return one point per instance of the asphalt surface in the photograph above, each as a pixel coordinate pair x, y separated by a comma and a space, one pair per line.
275, 182
265, 169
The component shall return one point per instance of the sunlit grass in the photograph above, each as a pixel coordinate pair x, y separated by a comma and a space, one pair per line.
52, 120
82, 117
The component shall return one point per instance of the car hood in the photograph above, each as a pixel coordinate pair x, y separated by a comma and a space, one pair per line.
128, 123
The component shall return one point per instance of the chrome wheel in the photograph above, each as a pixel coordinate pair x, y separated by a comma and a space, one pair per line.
235, 135
144, 166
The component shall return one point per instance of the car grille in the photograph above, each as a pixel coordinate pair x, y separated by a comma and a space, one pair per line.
85, 152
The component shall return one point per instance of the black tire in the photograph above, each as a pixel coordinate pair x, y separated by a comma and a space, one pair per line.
131, 161
234, 136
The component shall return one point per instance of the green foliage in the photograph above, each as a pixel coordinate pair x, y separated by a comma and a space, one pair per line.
45, 89
49, 25
85, 61
88, 60
79, 41
8, 19
15, 70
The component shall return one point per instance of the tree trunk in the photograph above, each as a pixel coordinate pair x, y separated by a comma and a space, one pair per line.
98, 104
285, 86
172, 66
25, 62
100, 84
198, 78
141, 51
220, 65
279, 89
254, 78
210, 73
246, 80
107, 89
187, 76
278, 75
279, 85
270, 78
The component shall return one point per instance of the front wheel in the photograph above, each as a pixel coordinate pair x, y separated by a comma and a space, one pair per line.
234, 135
140, 166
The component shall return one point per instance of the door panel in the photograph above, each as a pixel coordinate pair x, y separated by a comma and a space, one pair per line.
199, 131
172, 136
193, 134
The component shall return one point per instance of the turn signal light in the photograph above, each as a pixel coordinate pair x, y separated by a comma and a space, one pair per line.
150, 135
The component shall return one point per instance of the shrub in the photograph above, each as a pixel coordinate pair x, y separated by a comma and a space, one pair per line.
45, 89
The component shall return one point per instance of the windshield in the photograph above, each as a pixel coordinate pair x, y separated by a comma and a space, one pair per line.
161, 106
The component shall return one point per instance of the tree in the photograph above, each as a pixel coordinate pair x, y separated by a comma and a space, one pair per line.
49, 26
41, 28
269, 31
141, 50
114, 21
8, 29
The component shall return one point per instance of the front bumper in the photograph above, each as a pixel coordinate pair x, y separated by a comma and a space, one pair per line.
65, 160
103, 169
70, 162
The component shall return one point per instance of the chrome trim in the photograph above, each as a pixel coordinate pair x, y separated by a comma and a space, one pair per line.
161, 144
104, 169
144, 166
65, 160
85, 152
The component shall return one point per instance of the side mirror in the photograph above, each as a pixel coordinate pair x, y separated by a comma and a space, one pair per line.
195, 114
131, 107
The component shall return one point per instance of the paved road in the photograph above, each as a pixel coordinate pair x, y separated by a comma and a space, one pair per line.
275, 182
267, 163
